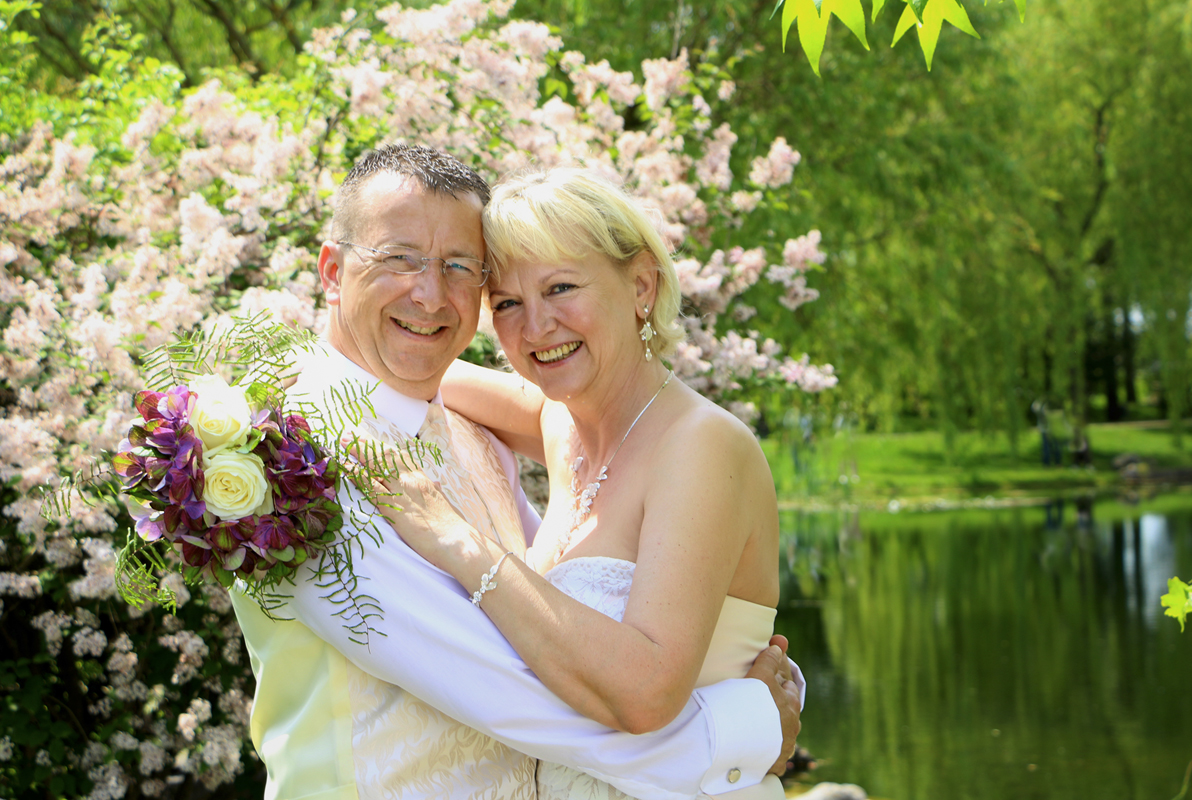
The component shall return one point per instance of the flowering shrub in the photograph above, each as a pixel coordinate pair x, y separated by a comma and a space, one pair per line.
161, 211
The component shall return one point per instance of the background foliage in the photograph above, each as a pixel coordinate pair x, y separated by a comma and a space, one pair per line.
993, 226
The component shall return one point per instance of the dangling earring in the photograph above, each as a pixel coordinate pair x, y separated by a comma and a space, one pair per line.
647, 333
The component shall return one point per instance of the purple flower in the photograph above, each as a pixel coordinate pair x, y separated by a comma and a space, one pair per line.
195, 551
149, 526
228, 536
128, 465
173, 406
274, 533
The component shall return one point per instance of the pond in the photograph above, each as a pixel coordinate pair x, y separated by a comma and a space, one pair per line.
1013, 653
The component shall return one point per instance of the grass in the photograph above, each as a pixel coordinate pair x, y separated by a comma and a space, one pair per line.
874, 469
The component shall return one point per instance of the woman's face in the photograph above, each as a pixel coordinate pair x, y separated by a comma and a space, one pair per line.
565, 325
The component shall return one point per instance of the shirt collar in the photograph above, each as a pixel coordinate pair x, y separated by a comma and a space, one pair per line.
324, 367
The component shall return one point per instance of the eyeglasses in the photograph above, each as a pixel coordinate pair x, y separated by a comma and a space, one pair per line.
404, 261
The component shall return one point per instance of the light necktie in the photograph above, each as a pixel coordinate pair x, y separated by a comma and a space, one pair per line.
472, 478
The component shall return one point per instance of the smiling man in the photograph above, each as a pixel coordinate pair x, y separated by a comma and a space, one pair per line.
404, 329
437, 704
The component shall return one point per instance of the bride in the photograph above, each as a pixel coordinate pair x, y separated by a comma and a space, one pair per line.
656, 567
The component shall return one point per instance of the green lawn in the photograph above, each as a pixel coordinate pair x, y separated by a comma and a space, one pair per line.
871, 469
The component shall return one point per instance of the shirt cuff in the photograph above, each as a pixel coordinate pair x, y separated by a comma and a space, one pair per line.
746, 733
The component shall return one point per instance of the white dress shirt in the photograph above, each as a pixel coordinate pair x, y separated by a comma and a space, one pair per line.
442, 649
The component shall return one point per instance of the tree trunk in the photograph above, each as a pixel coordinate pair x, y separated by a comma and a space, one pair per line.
1109, 366
1128, 346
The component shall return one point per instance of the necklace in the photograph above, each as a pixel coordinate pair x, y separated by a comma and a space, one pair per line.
583, 500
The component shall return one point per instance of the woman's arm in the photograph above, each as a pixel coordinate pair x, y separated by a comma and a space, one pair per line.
500, 401
700, 513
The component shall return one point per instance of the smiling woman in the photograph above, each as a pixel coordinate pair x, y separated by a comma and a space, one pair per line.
647, 580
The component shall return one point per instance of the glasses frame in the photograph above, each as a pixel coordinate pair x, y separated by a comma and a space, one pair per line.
425, 259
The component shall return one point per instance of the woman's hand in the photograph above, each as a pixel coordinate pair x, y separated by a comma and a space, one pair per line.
773, 668
416, 508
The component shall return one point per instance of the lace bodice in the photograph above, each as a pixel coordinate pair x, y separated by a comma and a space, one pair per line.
597, 582
742, 631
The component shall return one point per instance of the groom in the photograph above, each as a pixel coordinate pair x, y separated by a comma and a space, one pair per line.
437, 704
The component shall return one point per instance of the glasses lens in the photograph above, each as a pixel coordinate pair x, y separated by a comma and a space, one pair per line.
406, 262
457, 271
465, 271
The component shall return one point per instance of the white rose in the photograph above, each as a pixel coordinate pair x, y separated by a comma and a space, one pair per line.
221, 416
235, 486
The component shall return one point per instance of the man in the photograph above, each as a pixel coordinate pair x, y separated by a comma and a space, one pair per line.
436, 703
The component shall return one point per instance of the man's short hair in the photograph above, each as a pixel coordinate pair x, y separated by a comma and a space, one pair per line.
437, 171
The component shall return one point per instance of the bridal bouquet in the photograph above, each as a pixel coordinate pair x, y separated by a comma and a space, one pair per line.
241, 488
235, 481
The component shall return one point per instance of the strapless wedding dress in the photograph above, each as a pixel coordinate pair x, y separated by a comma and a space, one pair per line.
742, 631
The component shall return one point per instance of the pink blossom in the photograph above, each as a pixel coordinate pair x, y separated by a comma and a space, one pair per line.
800, 253
151, 120
17, 585
192, 651
745, 202
558, 114
589, 80
108, 782
368, 82
663, 78
153, 759
605, 118
808, 377
281, 306
220, 755
51, 624
24, 336
775, 169
100, 567
713, 169
532, 40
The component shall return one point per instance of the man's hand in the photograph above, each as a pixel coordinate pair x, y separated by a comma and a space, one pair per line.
772, 668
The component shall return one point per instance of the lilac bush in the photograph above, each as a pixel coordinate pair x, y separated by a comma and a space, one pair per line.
165, 211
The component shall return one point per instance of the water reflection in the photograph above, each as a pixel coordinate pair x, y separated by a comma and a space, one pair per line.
993, 654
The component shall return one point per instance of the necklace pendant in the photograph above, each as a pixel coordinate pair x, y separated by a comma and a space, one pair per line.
583, 500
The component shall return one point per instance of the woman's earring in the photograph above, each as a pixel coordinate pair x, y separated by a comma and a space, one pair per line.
647, 333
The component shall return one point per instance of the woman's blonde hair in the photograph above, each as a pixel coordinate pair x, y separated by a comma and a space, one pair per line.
567, 213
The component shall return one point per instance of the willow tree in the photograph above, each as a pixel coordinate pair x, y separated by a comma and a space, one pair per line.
1153, 198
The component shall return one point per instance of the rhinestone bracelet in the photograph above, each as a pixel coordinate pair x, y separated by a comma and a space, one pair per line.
486, 580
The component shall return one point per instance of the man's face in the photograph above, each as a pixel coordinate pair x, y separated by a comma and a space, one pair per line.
404, 329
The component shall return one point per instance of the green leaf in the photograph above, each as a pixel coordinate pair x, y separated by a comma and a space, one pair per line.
1178, 600
877, 8
905, 22
813, 16
932, 21
813, 28
852, 15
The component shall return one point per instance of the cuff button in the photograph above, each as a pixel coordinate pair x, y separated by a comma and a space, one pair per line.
734, 775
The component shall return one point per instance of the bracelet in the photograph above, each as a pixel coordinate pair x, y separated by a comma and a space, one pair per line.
486, 580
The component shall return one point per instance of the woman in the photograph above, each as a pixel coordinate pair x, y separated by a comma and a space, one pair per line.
662, 520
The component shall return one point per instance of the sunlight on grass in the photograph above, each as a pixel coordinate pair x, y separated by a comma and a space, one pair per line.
873, 468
